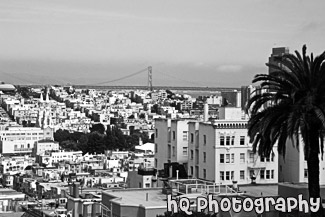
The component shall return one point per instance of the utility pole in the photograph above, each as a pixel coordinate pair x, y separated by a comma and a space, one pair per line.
150, 78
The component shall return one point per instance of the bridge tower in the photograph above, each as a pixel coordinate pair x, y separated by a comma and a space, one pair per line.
150, 78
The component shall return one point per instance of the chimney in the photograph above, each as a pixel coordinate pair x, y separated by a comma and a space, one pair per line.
76, 189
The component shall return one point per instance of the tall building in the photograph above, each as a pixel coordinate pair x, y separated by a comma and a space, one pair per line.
171, 145
246, 95
277, 53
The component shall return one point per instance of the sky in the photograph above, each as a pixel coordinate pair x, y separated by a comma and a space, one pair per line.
214, 43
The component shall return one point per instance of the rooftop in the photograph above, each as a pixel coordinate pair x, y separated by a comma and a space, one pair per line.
260, 190
136, 196
8, 191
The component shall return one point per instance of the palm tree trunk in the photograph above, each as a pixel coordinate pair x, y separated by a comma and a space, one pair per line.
313, 171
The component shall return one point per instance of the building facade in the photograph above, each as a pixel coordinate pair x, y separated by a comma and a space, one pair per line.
21, 140
221, 152
171, 142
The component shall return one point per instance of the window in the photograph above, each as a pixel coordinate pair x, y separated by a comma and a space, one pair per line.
192, 137
227, 158
184, 135
222, 175
306, 173
184, 151
272, 174
192, 154
227, 140
222, 140
242, 140
232, 158
169, 134
173, 151
174, 135
204, 173
156, 133
191, 170
233, 140
268, 174
156, 147
232, 175
222, 158
227, 175
242, 174
262, 159
204, 139
251, 157
242, 157
204, 157
169, 151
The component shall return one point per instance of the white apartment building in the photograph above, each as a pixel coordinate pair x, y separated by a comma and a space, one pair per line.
171, 141
293, 168
21, 140
221, 152
42, 146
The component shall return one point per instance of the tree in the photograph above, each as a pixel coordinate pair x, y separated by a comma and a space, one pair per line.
61, 135
291, 103
100, 128
96, 143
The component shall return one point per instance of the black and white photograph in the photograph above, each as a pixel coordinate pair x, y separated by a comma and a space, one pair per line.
162, 108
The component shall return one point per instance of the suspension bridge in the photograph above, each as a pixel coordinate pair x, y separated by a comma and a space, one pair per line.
112, 84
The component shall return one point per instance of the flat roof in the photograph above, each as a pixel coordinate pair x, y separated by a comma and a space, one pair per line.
8, 191
260, 190
136, 197
11, 214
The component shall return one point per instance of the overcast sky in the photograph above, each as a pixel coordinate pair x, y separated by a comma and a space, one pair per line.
187, 42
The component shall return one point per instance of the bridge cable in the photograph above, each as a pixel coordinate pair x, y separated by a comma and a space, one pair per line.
121, 78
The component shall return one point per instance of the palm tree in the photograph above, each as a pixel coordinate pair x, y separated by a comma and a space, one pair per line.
290, 103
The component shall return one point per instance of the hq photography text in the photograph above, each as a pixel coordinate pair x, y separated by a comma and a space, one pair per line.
236, 204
